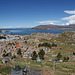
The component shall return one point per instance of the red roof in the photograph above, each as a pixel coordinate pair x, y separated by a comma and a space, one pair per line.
17, 45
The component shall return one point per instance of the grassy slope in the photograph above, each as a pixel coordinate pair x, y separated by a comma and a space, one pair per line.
65, 68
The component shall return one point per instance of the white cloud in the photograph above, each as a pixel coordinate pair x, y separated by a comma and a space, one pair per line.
47, 22
67, 23
70, 19
63, 24
70, 12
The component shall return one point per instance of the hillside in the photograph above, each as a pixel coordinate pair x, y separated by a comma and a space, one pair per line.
59, 27
52, 44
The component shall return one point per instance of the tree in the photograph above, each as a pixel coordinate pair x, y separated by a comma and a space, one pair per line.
41, 54
19, 52
59, 56
14, 56
65, 59
54, 45
45, 45
2, 37
39, 45
3, 55
34, 55
25, 41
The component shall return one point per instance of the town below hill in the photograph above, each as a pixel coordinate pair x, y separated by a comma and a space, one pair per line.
58, 27
46, 53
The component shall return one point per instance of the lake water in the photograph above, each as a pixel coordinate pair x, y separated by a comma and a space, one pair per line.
26, 31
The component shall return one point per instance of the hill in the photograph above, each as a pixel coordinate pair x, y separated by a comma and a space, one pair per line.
59, 27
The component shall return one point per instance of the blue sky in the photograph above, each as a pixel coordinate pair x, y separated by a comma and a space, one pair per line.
30, 13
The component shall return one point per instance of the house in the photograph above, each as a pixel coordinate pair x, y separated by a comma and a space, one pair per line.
25, 56
55, 60
38, 59
60, 60
6, 59
30, 57
47, 50
17, 45
50, 60
73, 58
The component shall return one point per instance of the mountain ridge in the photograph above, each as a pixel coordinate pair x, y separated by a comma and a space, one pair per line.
59, 27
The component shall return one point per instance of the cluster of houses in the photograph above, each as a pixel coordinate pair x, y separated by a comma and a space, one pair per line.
8, 45
10, 37
27, 44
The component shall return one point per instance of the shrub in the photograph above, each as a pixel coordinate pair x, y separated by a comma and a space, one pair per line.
41, 54
59, 56
19, 52
65, 59
45, 45
34, 55
14, 56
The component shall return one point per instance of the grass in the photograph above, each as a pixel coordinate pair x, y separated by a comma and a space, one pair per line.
60, 68
5, 70
64, 68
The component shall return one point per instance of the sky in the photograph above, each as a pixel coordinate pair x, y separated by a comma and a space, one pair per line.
30, 13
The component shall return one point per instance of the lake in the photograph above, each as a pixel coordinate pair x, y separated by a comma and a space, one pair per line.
27, 31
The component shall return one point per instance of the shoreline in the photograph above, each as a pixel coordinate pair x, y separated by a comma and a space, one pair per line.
28, 31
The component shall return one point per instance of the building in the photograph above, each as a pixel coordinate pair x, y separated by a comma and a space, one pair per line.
6, 59
38, 59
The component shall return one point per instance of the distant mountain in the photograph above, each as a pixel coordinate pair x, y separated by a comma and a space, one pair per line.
59, 27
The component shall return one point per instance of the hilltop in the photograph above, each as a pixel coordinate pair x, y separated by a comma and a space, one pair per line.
58, 27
